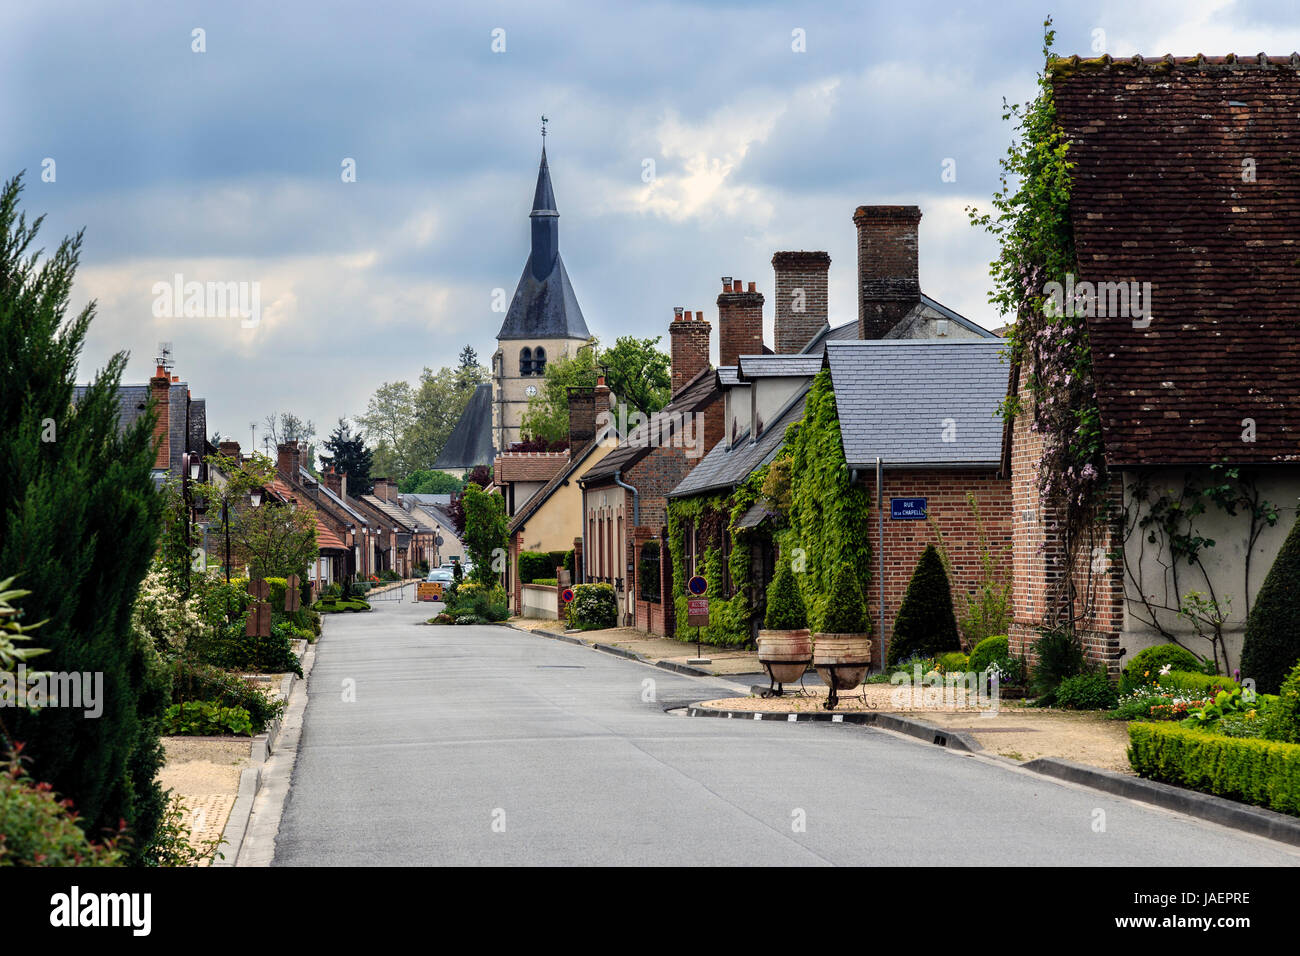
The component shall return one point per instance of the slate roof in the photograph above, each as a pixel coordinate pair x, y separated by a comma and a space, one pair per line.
778, 366
544, 305
693, 396
400, 515
900, 398
183, 436
728, 375
470, 442
1159, 195
725, 467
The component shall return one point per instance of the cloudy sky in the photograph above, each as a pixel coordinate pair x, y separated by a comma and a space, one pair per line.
226, 165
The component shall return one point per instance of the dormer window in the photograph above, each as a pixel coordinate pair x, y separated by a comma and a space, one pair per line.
526, 361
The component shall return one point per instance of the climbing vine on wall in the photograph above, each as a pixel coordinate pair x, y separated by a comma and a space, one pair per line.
828, 512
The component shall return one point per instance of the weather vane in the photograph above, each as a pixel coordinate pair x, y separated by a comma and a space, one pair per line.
544, 122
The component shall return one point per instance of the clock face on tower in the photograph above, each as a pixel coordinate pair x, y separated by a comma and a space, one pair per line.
530, 391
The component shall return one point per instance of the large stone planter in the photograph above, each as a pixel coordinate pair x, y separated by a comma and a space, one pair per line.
785, 655
842, 661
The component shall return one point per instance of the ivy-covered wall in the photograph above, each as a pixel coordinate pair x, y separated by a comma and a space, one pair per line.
828, 512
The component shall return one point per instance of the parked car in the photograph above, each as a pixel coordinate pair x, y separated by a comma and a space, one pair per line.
441, 575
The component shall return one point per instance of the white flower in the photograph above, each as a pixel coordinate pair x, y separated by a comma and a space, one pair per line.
1166, 669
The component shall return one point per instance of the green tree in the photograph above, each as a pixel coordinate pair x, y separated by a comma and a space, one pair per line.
1272, 643
785, 607
925, 623
438, 404
485, 533
846, 610
79, 519
274, 539
547, 415
349, 455
387, 419
428, 482
639, 373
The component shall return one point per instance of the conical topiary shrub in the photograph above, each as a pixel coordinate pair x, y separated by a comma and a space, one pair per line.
846, 611
785, 607
1272, 643
925, 624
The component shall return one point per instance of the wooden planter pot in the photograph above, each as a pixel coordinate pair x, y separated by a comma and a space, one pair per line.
785, 655
842, 661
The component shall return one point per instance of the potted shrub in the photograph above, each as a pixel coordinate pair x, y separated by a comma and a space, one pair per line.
842, 649
784, 644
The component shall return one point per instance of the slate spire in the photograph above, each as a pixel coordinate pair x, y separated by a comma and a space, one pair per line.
545, 223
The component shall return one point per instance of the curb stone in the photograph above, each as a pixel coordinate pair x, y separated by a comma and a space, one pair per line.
1229, 813
939, 736
250, 778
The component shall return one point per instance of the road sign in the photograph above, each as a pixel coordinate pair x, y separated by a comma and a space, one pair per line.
697, 612
292, 594
697, 586
566, 595
429, 591
907, 509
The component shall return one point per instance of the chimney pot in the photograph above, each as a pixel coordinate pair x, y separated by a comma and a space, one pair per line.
735, 285
752, 288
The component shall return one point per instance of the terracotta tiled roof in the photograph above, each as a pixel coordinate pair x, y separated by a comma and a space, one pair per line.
327, 540
529, 465
1187, 176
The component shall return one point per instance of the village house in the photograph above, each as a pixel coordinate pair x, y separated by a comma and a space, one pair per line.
905, 353
431, 509
1184, 194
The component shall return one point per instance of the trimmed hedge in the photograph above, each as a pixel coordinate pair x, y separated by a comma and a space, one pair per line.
846, 611
535, 564
785, 607
1206, 684
1254, 771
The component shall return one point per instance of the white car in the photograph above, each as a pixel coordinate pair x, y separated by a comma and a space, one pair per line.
440, 575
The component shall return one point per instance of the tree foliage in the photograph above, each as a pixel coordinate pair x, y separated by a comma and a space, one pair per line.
547, 415
78, 525
429, 482
638, 373
485, 533
785, 608
925, 624
1272, 643
349, 455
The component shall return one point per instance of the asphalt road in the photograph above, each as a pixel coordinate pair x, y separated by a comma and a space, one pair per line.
485, 745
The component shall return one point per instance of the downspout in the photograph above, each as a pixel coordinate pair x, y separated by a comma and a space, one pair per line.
880, 560
581, 571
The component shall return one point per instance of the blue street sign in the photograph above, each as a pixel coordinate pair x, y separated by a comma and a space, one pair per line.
907, 509
697, 585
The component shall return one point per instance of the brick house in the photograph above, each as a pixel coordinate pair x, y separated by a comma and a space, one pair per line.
765, 394
1184, 178
625, 495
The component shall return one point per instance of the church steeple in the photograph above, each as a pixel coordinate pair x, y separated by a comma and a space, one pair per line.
545, 223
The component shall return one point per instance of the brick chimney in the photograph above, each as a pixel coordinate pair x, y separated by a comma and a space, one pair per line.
228, 449
287, 460
385, 489
888, 279
160, 387
689, 346
740, 322
801, 303
333, 480
582, 416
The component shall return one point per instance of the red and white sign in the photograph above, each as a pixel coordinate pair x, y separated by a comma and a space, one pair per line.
697, 612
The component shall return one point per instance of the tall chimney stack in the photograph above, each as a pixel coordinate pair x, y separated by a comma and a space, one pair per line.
801, 298
160, 389
888, 279
740, 322
286, 463
689, 345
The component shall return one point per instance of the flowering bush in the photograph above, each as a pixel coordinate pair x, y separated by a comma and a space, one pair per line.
594, 606
38, 829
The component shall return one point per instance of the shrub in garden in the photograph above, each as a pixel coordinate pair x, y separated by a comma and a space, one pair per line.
1261, 772
1272, 642
202, 718
203, 682
954, 662
1204, 685
925, 623
1147, 664
1011, 671
1086, 692
535, 564
1058, 655
262, 655
37, 829
594, 606
987, 651
785, 607
1282, 722
846, 611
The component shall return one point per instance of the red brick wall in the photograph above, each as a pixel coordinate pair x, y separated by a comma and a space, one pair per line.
1039, 561
905, 541
740, 323
804, 274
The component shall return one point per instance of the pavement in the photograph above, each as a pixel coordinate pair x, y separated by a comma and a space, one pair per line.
425, 745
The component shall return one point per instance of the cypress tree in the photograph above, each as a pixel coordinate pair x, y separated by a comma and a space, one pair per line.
1272, 642
846, 611
79, 517
785, 607
925, 623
